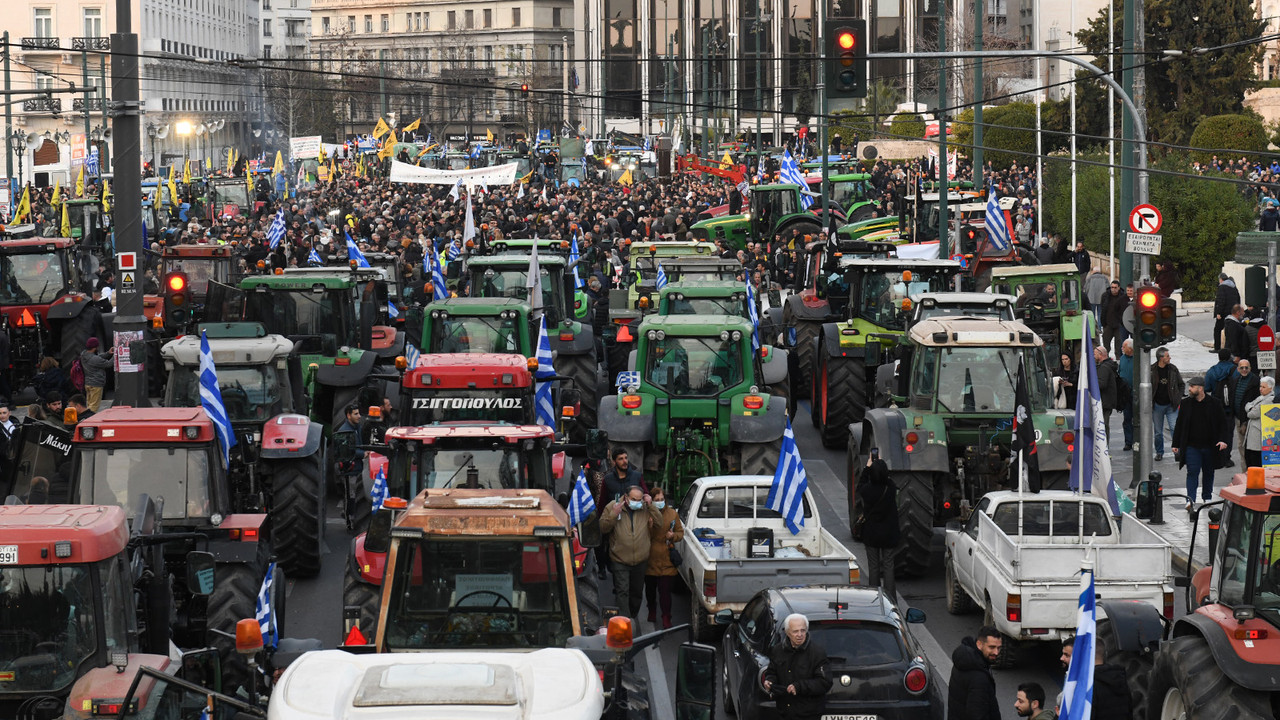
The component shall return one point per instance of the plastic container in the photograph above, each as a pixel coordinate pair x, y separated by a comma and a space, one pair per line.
760, 542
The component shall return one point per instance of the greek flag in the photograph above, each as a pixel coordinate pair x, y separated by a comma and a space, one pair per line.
392, 311
581, 503
378, 493
91, 165
453, 252
542, 397
275, 234
264, 614
353, 252
573, 262
786, 494
314, 257
790, 173
211, 400
1077, 693
997, 228
427, 262
533, 281
648, 143
1091, 467
662, 277
754, 314
440, 291
411, 355
759, 170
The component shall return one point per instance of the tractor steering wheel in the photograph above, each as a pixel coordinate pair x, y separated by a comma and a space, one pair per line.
499, 596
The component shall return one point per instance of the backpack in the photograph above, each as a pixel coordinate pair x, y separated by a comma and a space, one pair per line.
77, 375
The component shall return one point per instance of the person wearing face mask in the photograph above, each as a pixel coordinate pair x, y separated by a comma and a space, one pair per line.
627, 522
661, 573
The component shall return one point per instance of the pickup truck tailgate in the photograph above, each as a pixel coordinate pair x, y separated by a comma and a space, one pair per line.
739, 579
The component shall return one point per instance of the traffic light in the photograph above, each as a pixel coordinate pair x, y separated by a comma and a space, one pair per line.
1168, 319
1146, 318
524, 90
177, 300
846, 58
969, 236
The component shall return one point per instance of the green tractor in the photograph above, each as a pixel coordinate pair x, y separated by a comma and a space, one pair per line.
774, 210
693, 404
854, 194
1048, 300
947, 442
872, 299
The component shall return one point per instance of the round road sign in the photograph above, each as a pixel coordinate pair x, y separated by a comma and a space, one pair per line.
1266, 338
1146, 219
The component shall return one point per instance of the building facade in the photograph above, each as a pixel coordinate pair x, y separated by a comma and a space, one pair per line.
286, 29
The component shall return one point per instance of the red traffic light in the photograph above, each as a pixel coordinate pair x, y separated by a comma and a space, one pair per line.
524, 87
1148, 298
845, 40
177, 283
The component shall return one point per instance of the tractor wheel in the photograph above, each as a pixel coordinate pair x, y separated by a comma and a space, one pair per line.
76, 332
760, 458
782, 391
1055, 479
359, 506
1137, 668
863, 213
806, 333
843, 389
297, 515
1187, 684
958, 601
358, 593
915, 510
586, 378
234, 598
589, 595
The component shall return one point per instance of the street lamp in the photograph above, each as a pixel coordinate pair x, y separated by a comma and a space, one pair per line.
18, 143
184, 129
763, 18
156, 132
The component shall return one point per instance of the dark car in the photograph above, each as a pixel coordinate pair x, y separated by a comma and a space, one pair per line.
877, 668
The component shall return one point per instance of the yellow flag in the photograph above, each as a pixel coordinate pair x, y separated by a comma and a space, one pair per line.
173, 189
24, 206
489, 134
80, 183
279, 166
320, 159
332, 170
66, 222
626, 178
208, 166
231, 159
57, 192
388, 146
186, 172
248, 181
106, 193
381, 129
413, 125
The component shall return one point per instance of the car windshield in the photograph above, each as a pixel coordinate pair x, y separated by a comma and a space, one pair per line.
176, 475
857, 643
250, 393
199, 271
883, 296
470, 593
31, 278
694, 366
48, 625
683, 305
508, 283
426, 407
981, 379
295, 313
476, 335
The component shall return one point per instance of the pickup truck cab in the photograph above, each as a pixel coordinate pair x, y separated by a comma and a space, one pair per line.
726, 562
1018, 557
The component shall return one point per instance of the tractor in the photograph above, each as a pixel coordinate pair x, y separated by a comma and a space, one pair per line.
872, 299
947, 441
280, 464
85, 218
853, 193
488, 387
694, 403
1049, 300
774, 210
229, 197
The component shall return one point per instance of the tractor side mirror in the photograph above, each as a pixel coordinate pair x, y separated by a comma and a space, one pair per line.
202, 667
200, 572
696, 682
820, 285
597, 443
377, 539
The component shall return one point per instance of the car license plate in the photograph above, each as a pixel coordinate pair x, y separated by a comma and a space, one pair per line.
849, 717
8, 554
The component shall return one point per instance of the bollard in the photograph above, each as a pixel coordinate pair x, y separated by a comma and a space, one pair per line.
1215, 523
1157, 505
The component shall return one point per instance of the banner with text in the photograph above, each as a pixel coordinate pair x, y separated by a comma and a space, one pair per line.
496, 175
304, 148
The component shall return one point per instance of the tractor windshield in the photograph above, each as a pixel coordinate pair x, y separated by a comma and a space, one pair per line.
31, 278
981, 379
846, 192
177, 475
471, 593
427, 407
232, 194
476, 335
735, 306
1245, 529
294, 313
200, 270
48, 625
694, 366
882, 299
495, 467
508, 283
251, 393
76, 213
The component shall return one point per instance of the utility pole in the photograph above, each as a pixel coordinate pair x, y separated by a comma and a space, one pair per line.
564, 71
84, 79
979, 92
130, 325
102, 95
821, 32
944, 224
8, 116
1127, 74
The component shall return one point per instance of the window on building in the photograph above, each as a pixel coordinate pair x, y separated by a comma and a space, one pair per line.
266, 52
515, 17
43, 22
408, 22
293, 28
488, 17
555, 17
266, 4
417, 21
324, 25
488, 57
386, 23
426, 21
44, 83
266, 28
351, 23
453, 20
368, 23
93, 22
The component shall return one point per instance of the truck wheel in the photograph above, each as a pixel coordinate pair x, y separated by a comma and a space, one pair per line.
915, 513
843, 385
234, 598
806, 333
76, 332
1187, 683
586, 377
958, 601
358, 593
699, 624
297, 515
1137, 668
1008, 658
1055, 479
760, 458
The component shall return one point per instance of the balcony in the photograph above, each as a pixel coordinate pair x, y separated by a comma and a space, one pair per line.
93, 104
91, 43
44, 104
30, 44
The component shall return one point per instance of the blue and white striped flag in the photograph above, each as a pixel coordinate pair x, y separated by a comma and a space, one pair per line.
662, 277
275, 233
453, 252
353, 251
786, 494
546, 369
378, 493
439, 290
264, 613
91, 165
573, 261
581, 503
211, 400
790, 173
997, 228
1077, 693
393, 312
1091, 466
411, 355
754, 314
313, 258
759, 170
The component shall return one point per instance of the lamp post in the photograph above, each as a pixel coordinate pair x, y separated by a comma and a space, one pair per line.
184, 130
156, 132
763, 18
18, 146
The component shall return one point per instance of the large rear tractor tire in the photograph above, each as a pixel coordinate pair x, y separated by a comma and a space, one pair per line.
915, 513
76, 332
589, 594
1137, 668
843, 395
358, 593
297, 515
1186, 684
586, 377
760, 458
234, 599
806, 333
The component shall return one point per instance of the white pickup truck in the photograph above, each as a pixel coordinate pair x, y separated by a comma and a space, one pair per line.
1018, 558
731, 507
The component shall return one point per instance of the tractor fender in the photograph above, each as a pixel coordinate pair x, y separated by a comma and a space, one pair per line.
774, 368
884, 428
68, 306
1261, 677
233, 552
1137, 626
557, 464
757, 428
624, 428
583, 342
830, 341
377, 463
347, 375
108, 682
289, 436
387, 341
366, 565
795, 310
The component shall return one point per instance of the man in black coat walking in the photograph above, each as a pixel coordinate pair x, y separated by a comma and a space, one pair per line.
797, 676
881, 531
971, 692
1201, 430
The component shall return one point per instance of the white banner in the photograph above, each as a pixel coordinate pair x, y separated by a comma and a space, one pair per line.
304, 148
919, 251
496, 175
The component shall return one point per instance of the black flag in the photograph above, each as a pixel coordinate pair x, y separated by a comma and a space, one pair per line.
1024, 432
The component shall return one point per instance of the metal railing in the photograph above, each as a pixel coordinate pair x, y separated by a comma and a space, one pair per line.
39, 43
94, 104
90, 43
44, 104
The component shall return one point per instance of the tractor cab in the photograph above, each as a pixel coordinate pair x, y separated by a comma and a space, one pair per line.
42, 303
1048, 300
479, 325
454, 387
704, 297
471, 455
229, 197
879, 293
507, 275
200, 264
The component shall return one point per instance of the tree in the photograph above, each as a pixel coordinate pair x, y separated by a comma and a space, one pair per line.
1009, 134
301, 103
907, 126
1230, 132
804, 96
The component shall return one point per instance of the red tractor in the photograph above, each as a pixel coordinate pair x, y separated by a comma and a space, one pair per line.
449, 387
1218, 661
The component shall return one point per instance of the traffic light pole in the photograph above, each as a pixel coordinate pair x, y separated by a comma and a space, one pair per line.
131, 324
1142, 356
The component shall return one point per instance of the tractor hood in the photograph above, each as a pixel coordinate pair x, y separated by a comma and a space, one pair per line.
185, 351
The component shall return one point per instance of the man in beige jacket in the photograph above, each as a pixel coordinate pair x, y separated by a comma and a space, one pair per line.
626, 521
